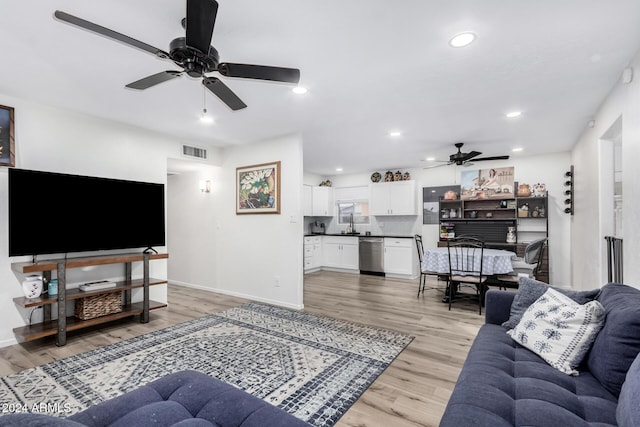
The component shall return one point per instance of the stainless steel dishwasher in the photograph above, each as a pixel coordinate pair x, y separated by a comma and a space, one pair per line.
371, 255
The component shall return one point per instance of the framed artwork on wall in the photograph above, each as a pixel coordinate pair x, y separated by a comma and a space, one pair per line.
431, 197
496, 183
7, 138
258, 189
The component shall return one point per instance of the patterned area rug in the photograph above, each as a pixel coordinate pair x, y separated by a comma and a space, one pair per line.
313, 367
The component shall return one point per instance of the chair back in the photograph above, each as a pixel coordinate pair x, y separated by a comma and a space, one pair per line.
419, 247
533, 251
539, 258
465, 256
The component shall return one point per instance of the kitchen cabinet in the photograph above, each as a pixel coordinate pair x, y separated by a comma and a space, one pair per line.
312, 253
393, 198
307, 200
317, 201
400, 256
340, 252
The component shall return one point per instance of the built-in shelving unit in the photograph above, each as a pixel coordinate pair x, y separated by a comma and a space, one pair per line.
490, 219
60, 326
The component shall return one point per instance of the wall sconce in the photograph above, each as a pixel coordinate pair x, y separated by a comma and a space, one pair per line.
569, 191
205, 186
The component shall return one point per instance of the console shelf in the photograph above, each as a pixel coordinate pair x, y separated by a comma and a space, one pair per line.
49, 328
63, 324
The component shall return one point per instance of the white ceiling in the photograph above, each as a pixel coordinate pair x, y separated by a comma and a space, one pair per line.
371, 66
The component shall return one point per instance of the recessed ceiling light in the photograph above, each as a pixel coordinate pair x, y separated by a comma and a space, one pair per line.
430, 159
299, 90
338, 169
462, 39
514, 114
395, 133
517, 149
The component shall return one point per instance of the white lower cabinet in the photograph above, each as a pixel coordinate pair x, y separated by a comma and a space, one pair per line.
400, 256
312, 253
340, 252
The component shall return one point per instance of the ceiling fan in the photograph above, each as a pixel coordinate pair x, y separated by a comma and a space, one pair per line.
464, 159
194, 54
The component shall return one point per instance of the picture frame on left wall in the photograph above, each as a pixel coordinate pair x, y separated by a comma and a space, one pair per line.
258, 189
7, 136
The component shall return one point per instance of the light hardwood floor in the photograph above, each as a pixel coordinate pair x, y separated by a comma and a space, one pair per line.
412, 391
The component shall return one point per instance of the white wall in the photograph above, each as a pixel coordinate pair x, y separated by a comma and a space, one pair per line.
588, 244
241, 255
61, 141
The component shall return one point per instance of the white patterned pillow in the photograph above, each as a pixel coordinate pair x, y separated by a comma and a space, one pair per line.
559, 330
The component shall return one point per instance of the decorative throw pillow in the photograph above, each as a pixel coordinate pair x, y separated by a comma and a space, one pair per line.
529, 290
559, 330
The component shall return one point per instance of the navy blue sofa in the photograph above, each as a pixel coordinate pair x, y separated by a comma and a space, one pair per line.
505, 384
185, 399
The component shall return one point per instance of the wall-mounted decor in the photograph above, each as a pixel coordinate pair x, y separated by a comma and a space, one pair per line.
495, 183
431, 197
258, 189
7, 139
569, 191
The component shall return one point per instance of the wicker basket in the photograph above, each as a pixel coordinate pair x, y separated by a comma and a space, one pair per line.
98, 305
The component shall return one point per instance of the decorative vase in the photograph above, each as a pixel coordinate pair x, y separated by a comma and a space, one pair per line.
32, 287
511, 235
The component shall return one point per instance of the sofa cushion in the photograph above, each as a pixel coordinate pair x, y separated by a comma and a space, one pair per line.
628, 411
529, 290
505, 384
618, 343
559, 330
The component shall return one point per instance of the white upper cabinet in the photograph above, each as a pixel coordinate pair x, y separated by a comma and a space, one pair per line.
307, 200
321, 201
393, 198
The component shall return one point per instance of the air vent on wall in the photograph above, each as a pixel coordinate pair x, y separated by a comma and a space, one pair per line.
189, 151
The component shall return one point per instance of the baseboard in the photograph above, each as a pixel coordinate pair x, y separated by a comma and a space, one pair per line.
238, 294
7, 343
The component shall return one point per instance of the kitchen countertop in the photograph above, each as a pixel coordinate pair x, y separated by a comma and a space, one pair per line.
394, 236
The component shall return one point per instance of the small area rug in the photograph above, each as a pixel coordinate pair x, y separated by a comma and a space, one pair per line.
311, 366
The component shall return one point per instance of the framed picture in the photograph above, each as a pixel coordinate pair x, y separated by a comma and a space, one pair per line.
494, 183
258, 189
7, 139
431, 197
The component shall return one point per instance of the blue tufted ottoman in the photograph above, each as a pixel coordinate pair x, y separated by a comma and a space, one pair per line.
505, 384
185, 399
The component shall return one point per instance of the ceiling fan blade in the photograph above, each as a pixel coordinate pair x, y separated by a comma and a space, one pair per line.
470, 155
201, 17
153, 80
260, 72
437, 166
491, 158
106, 32
223, 92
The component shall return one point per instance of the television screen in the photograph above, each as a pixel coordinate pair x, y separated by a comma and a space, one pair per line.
60, 213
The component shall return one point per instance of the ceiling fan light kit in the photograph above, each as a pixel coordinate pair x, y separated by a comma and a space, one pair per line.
193, 54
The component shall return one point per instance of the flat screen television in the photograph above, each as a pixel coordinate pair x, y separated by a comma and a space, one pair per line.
60, 213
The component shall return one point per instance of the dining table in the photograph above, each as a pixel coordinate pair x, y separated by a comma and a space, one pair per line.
494, 261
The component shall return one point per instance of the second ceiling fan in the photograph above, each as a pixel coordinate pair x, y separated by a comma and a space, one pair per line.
194, 54
464, 159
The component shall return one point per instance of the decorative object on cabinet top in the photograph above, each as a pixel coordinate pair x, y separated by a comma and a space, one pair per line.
524, 190
539, 190
391, 176
326, 183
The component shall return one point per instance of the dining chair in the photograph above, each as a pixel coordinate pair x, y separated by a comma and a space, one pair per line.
423, 273
528, 265
465, 268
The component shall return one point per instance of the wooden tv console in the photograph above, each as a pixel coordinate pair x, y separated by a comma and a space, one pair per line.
60, 326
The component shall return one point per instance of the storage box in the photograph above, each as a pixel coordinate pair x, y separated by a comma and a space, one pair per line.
98, 305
